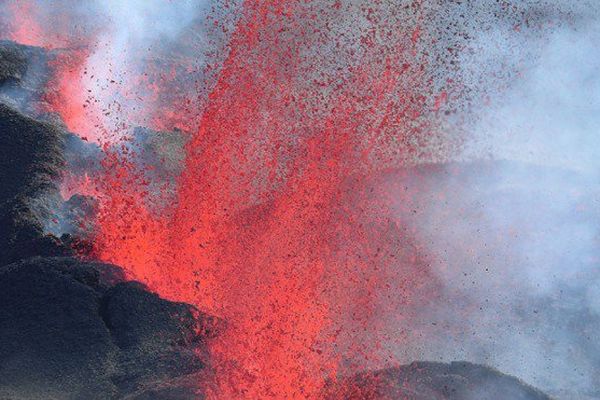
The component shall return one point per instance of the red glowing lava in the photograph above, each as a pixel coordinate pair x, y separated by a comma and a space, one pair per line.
276, 228
22, 25
279, 225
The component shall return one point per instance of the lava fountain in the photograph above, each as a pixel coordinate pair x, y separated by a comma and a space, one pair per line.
278, 225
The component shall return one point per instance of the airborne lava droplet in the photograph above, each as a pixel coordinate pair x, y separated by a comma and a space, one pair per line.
274, 211
279, 225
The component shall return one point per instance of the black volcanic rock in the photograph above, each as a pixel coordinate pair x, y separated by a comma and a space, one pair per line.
433, 381
31, 158
23, 74
33, 215
76, 330
13, 62
30, 154
159, 339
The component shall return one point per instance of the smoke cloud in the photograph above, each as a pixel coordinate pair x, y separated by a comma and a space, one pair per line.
515, 238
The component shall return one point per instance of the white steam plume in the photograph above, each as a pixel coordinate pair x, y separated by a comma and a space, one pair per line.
517, 238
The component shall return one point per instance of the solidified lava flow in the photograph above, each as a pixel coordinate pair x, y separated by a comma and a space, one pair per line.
278, 225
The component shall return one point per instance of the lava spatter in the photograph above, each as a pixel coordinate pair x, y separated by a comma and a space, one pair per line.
277, 226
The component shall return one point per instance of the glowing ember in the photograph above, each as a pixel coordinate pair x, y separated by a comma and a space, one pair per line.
277, 227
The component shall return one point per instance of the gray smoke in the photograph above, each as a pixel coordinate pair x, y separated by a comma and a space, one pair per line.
515, 239
139, 56
140, 59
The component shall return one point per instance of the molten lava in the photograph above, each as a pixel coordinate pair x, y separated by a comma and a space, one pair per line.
279, 225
